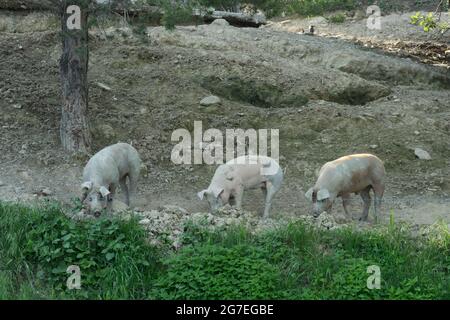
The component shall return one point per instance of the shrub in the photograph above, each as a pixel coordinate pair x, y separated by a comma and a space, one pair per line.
337, 18
114, 259
217, 272
296, 261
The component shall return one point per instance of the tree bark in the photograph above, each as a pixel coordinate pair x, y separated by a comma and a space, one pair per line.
74, 128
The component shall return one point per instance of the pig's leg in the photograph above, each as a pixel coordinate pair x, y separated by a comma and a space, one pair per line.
238, 196
378, 190
345, 202
133, 177
365, 195
112, 189
264, 190
124, 188
271, 190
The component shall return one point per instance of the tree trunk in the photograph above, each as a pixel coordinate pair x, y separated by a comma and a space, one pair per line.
74, 128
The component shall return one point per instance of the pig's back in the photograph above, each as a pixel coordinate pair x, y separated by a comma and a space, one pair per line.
354, 172
111, 161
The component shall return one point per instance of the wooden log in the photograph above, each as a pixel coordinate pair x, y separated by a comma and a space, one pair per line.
236, 18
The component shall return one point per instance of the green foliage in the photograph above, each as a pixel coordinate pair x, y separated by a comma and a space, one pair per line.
337, 18
114, 260
318, 7
217, 272
292, 262
429, 22
175, 13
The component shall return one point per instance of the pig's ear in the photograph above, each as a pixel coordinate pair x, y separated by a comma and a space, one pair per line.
216, 192
104, 191
86, 186
323, 194
201, 194
309, 194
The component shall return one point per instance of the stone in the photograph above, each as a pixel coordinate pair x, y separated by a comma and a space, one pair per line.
46, 192
422, 154
145, 221
106, 131
210, 100
220, 22
103, 86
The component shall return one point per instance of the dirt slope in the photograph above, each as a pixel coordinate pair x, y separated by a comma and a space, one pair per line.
327, 97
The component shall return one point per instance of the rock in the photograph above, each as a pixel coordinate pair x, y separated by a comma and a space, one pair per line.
220, 22
174, 209
103, 86
145, 221
422, 154
325, 221
1, 183
106, 132
210, 100
17, 106
46, 192
373, 146
318, 21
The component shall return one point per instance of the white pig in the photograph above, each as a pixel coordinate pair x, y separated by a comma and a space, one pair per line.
246, 172
107, 169
350, 174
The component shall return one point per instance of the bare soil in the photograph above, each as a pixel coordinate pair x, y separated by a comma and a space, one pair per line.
328, 97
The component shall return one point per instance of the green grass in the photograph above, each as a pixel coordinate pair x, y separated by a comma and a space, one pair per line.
292, 262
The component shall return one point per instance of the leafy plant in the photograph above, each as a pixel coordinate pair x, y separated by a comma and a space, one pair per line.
429, 22
113, 256
217, 272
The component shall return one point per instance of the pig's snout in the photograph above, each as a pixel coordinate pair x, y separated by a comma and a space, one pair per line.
317, 210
